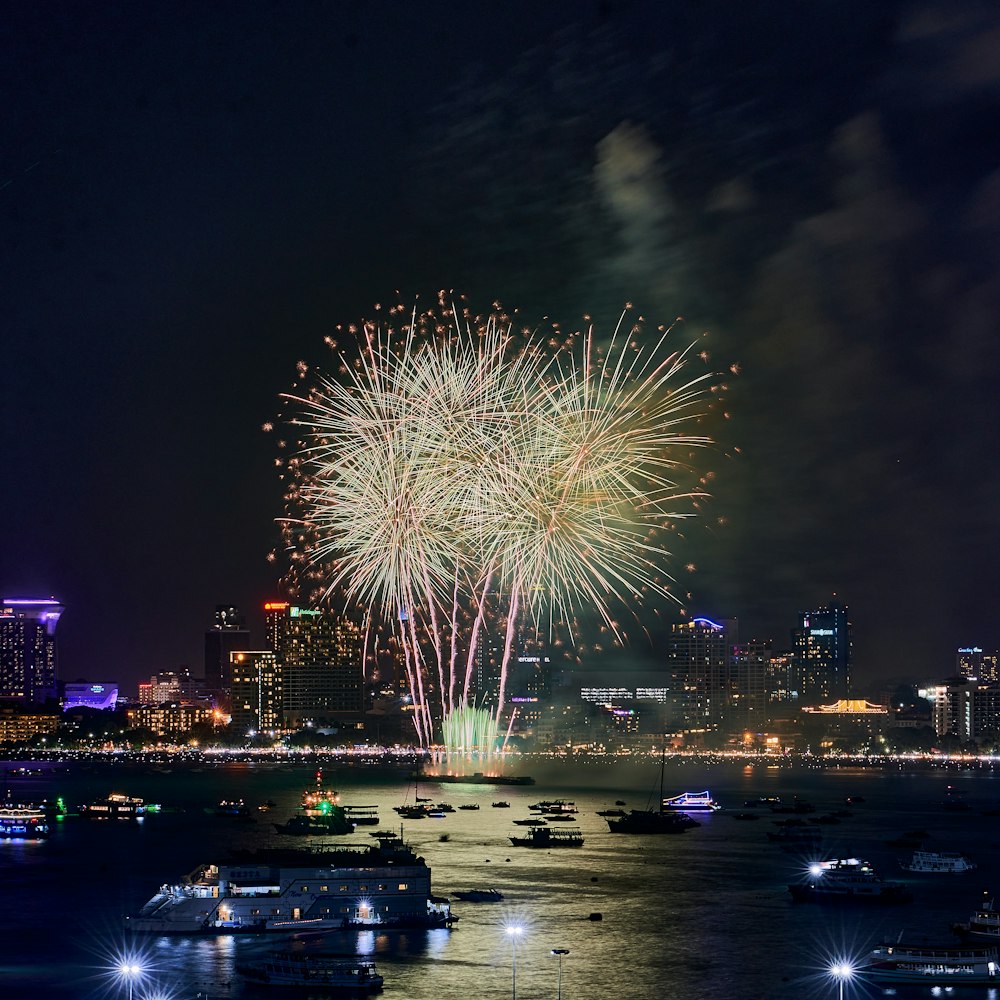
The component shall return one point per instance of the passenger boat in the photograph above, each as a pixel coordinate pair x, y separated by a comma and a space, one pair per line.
933, 965
480, 896
553, 806
692, 802
115, 806
984, 924
315, 969
544, 836
362, 815
19, 822
374, 886
847, 880
937, 862
332, 823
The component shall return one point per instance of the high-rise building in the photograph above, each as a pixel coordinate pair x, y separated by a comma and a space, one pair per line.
973, 661
783, 680
822, 644
227, 635
28, 659
174, 686
699, 659
255, 691
320, 655
747, 688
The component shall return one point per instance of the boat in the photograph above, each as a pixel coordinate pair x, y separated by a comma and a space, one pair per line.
544, 836
648, 821
314, 969
479, 779
501, 805
610, 812
480, 896
362, 815
984, 924
529, 822
18, 822
796, 836
933, 965
372, 886
115, 806
230, 807
317, 798
937, 862
445, 807
769, 801
560, 818
797, 806
332, 823
692, 802
470, 806
559, 807
847, 880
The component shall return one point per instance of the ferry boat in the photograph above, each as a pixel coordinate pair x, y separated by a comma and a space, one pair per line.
545, 836
847, 880
316, 969
115, 806
692, 802
379, 887
362, 815
933, 965
23, 823
984, 924
937, 862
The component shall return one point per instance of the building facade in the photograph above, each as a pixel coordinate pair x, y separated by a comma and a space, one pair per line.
256, 691
699, 660
822, 644
28, 654
227, 635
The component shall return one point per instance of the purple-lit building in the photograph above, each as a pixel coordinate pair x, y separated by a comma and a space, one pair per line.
28, 648
83, 695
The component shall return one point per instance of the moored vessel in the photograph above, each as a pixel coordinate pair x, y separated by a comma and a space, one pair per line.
692, 802
847, 880
545, 836
19, 822
936, 862
382, 886
933, 965
314, 969
648, 821
115, 806
984, 924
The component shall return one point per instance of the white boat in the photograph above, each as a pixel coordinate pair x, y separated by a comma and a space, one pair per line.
937, 861
375, 886
692, 802
289, 968
115, 806
983, 924
847, 880
933, 965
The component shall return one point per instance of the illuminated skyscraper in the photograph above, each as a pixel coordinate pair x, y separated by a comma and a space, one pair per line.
972, 661
255, 692
320, 655
822, 646
699, 658
28, 648
229, 634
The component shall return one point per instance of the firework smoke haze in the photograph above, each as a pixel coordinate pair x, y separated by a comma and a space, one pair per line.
459, 475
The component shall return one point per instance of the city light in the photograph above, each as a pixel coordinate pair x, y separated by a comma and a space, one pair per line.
560, 952
843, 972
129, 971
514, 932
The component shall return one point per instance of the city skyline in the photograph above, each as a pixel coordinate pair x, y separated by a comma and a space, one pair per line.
188, 217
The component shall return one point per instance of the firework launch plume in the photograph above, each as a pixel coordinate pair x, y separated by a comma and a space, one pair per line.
457, 474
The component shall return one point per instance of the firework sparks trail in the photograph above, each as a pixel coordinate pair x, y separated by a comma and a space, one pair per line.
457, 473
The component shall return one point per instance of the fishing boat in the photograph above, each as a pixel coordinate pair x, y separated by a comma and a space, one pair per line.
937, 862
933, 965
544, 836
314, 969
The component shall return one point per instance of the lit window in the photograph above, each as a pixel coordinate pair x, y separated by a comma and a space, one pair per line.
403, 886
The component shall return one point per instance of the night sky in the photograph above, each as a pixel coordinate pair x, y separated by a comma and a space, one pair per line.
193, 195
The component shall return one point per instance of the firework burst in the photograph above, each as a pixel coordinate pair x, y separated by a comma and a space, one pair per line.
459, 475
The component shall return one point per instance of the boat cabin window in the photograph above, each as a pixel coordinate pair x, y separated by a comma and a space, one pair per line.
305, 888
324, 888
362, 888
403, 886
343, 888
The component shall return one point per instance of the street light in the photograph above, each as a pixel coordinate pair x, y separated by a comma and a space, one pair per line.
560, 952
130, 972
843, 972
514, 931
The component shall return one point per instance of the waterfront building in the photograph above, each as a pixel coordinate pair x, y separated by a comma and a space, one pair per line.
822, 643
747, 687
782, 679
227, 635
699, 658
28, 654
166, 720
80, 694
322, 666
173, 686
18, 725
256, 692
952, 707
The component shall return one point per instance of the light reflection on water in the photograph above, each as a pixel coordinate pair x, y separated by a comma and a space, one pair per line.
703, 915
